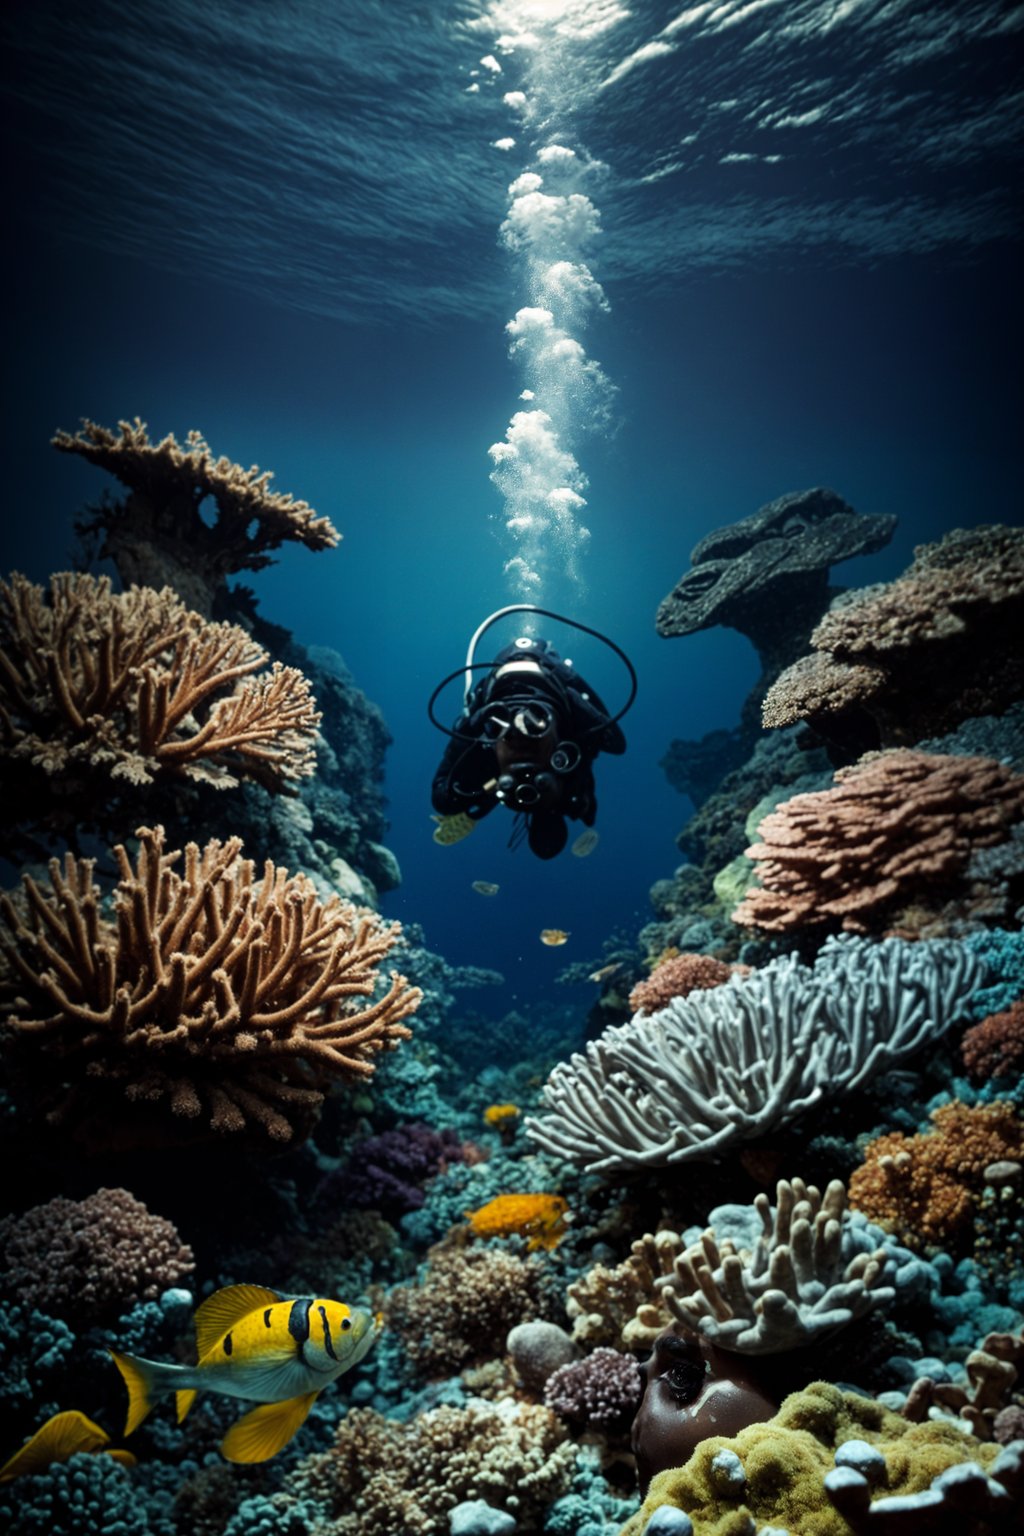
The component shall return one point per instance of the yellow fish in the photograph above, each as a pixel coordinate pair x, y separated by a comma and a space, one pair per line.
485, 887
585, 843
452, 829
553, 936
279, 1351
60, 1438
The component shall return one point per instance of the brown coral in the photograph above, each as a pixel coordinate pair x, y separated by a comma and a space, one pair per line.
464, 1308
914, 657
212, 992
924, 1187
157, 534
677, 977
100, 690
995, 1047
896, 831
985, 1403
89, 1261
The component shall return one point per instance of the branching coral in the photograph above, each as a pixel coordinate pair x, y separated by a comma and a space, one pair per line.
98, 686
721, 1066
89, 1261
995, 1047
924, 1187
678, 976
158, 535
993, 1370
464, 1308
896, 831
217, 994
896, 662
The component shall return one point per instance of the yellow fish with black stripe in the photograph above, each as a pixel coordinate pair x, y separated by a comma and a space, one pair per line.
278, 1351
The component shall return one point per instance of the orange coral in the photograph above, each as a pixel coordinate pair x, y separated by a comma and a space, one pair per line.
995, 1047
679, 975
924, 1186
895, 831
501, 1114
540, 1218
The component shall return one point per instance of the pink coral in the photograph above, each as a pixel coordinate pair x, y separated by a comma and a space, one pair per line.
89, 1261
995, 1047
679, 975
601, 1391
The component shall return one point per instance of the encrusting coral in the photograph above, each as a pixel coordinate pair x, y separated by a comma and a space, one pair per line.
110, 689
157, 535
678, 976
995, 1047
89, 1261
464, 1308
722, 1066
896, 832
924, 1187
220, 995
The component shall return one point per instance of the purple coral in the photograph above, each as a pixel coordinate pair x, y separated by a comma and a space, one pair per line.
601, 1391
90, 1261
386, 1172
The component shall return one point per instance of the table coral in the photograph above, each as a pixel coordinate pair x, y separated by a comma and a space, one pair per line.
896, 832
158, 535
995, 1047
784, 1463
88, 1261
223, 997
464, 1307
924, 1187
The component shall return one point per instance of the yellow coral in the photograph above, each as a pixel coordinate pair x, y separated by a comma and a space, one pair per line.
500, 1115
540, 1218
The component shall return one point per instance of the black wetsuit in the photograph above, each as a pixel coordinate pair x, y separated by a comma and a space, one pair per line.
488, 745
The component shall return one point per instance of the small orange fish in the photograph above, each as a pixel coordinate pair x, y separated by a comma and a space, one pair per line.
61, 1437
553, 936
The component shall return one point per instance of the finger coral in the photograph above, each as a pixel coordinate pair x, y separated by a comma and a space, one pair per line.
896, 832
924, 1187
722, 1066
103, 690
896, 662
678, 976
89, 1261
157, 535
224, 998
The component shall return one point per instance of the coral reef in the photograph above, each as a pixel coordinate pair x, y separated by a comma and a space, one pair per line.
924, 1187
102, 691
392, 1169
983, 1401
995, 1047
464, 1308
537, 1217
225, 998
678, 976
723, 1065
902, 660
599, 1392
887, 848
158, 534
88, 1261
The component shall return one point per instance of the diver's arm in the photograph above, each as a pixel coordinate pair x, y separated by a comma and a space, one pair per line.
460, 779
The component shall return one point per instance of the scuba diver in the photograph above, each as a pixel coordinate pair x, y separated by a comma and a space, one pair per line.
526, 738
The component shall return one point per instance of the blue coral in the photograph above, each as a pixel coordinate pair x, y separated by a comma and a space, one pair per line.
79, 1497
590, 1508
1003, 956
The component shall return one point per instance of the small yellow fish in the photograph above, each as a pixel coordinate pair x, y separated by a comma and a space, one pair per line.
61, 1437
485, 888
252, 1343
553, 936
585, 843
605, 971
452, 829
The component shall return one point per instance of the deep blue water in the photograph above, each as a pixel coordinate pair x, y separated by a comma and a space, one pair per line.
284, 232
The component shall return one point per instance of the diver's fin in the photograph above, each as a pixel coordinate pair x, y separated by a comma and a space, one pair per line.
145, 1380
266, 1430
184, 1401
227, 1307
60, 1437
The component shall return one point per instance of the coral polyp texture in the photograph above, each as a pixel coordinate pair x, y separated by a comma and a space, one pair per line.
925, 1187
889, 846
913, 657
464, 1308
995, 1047
678, 976
224, 996
90, 1260
157, 534
723, 1066
100, 689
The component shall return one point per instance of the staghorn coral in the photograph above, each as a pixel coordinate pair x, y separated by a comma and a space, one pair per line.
464, 1308
381, 1477
995, 1047
910, 658
780, 1475
924, 1187
723, 1066
102, 690
600, 1392
157, 533
895, 832
219, 996
89, 1261
538, 1218
678, 976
